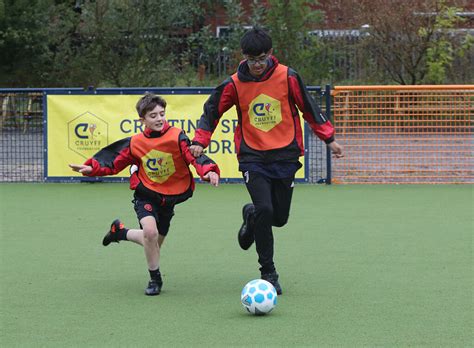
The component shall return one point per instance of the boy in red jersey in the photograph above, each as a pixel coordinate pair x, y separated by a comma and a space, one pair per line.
268, 139
161, 178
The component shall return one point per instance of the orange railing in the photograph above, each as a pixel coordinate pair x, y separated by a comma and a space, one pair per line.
404, 134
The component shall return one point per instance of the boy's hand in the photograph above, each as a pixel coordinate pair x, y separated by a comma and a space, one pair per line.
336, 149
196, 150
212, 177
81, 168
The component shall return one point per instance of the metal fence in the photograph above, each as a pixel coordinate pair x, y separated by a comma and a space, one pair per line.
21, 136
23, 143
318, 161
347, 57
391, 134
405, 134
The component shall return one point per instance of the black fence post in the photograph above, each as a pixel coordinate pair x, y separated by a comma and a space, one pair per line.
327, 93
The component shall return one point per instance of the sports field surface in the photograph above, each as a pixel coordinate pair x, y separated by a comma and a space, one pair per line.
382, 265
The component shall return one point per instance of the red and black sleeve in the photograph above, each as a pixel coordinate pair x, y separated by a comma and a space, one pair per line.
221, 99
203, 164
112, 159
312, 113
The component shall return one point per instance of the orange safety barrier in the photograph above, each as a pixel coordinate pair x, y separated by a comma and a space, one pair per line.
404, 134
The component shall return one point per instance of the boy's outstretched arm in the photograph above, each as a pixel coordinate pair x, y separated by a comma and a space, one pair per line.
111, 160
81, 168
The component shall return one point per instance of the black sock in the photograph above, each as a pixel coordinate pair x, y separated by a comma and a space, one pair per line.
122, 234
267, 269
156, 275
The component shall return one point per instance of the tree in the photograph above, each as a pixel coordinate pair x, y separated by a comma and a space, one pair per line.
2, 10
21, 41
444, 48
137, 43
220, 55
105, 43
289, 23
405, 38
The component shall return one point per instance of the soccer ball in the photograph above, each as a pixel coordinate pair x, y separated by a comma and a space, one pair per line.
258, 297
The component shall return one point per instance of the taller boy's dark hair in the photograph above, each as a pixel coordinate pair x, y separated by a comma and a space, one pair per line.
255, 42
148, 102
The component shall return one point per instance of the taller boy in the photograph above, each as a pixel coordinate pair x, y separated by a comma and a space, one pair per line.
268, 139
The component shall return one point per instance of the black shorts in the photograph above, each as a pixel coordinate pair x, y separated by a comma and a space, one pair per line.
162, 214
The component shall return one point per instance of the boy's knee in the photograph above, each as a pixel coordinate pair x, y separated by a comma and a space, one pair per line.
150, 233
280, 221
265, 212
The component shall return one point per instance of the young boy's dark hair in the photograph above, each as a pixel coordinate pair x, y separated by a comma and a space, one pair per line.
255, 42
148, 102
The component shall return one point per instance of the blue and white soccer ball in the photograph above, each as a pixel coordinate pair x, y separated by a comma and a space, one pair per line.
258, 297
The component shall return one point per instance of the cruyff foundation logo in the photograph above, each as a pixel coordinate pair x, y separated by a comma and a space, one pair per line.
159, 166
87, 134
265, 112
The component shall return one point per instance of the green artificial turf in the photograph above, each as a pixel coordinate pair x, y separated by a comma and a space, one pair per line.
359, 266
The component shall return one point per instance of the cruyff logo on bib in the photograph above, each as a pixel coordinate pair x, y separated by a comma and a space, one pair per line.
262, 109
265, 112
158, 165
154, 164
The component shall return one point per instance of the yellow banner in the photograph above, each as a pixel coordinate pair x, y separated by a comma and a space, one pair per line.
80, 125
